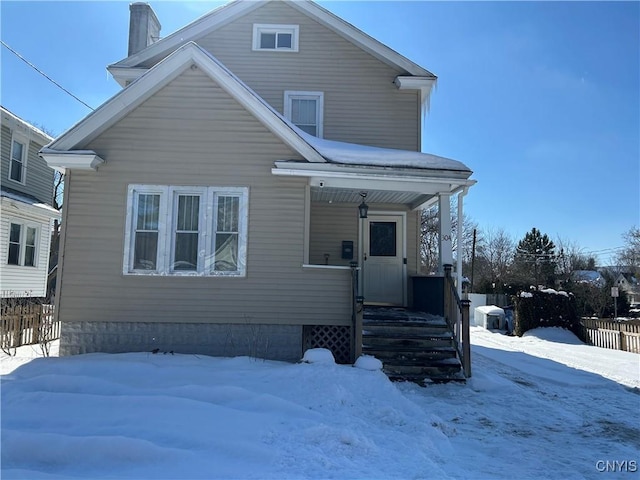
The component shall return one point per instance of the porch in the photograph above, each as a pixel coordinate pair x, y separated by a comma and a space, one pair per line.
363, 213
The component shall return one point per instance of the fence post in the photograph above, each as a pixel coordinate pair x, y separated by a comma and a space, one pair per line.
623, 345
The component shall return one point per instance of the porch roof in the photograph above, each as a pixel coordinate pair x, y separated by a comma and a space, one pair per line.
414, 179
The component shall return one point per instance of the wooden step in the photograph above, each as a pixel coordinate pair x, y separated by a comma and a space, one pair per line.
402, 330
409, 358
412, 346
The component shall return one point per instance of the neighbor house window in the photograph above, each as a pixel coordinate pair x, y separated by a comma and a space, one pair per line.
186, 230
305, 110
18, 160
275, 37
22, 245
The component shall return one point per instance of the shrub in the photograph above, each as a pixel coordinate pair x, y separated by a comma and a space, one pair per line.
545, 308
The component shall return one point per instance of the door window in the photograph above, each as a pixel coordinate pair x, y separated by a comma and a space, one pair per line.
382, 237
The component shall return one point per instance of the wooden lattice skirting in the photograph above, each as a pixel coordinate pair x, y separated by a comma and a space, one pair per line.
332, 337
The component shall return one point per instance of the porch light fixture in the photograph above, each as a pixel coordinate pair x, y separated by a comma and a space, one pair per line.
363, 208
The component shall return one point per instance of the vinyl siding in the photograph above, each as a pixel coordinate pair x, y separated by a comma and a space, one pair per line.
332, 223
39, 177
329, 226
193, 133
19, 280
361, 103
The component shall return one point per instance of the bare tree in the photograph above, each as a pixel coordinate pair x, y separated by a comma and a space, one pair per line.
429, 237
630, 256
571, 257
497, 252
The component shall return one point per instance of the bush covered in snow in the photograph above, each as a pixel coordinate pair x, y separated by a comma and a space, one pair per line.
545, 308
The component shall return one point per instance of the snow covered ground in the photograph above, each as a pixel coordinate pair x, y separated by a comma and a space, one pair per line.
540, 406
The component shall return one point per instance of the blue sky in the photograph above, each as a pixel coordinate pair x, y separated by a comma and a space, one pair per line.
540, 99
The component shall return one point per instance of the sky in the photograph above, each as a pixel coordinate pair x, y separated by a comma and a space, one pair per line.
540, 99
543, 405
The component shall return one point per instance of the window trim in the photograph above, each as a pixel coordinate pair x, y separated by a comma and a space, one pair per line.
167, 222
260, 28
22, 245
290, 95
24, 141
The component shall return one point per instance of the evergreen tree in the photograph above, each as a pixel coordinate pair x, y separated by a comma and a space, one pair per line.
535, 259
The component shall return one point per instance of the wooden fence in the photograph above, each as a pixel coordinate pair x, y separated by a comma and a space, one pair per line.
614, 335
27, 325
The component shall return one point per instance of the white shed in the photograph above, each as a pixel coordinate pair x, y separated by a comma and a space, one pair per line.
490, 317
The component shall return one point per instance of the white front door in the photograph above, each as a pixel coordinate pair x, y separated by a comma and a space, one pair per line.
383, 259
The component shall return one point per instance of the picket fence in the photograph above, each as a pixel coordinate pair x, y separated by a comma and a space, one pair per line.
614, 335
27, 325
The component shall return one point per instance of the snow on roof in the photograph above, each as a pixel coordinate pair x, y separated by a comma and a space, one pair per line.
27, 199
353, 154
490, 310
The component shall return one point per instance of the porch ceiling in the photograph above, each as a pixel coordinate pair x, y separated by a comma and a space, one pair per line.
342, 195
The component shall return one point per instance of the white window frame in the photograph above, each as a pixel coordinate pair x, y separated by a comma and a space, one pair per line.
24, 141
290, 95
260, 28
23, 243
167, 222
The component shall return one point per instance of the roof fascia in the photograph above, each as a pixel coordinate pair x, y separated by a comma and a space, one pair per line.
16, 123
42, 210
60, 161
201, 26
409, 182
125, 75
227, 13
406, 172
168, 69
357, 36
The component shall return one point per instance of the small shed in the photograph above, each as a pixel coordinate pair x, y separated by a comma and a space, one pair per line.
490, 317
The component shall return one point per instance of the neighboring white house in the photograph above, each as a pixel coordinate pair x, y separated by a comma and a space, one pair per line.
26, 213
630, 285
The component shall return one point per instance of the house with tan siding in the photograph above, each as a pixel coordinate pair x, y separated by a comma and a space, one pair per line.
26, 212
244, 194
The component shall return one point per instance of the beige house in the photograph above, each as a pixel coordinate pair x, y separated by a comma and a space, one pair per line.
212, 205
26, 212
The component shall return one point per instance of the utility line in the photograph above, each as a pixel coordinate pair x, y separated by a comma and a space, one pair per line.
44, 74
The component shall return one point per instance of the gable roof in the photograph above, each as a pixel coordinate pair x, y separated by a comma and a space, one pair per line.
66, 151
13, 122
238, 8
188, 56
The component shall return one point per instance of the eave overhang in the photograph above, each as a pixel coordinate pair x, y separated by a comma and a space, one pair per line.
67, 150
72, 159
410, 186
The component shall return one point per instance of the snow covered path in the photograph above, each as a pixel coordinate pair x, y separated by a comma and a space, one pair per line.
529, 412
538, 417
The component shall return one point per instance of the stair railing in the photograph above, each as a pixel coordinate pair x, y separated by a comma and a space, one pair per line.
456, 312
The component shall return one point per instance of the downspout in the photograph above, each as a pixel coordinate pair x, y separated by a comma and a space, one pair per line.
461, 195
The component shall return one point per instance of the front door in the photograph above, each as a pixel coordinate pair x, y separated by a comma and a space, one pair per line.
383, 259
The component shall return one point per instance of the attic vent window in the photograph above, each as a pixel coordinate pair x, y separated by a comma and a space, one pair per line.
281, 38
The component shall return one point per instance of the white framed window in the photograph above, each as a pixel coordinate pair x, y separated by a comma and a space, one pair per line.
305, 110
280, 38
18, 159
172, 230
23, 244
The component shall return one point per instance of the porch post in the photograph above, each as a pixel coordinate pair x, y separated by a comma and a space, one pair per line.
444, 223
460, 232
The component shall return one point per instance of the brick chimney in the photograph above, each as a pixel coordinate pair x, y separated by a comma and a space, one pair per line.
144, 27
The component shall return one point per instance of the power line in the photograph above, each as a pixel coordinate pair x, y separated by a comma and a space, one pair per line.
44, 74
